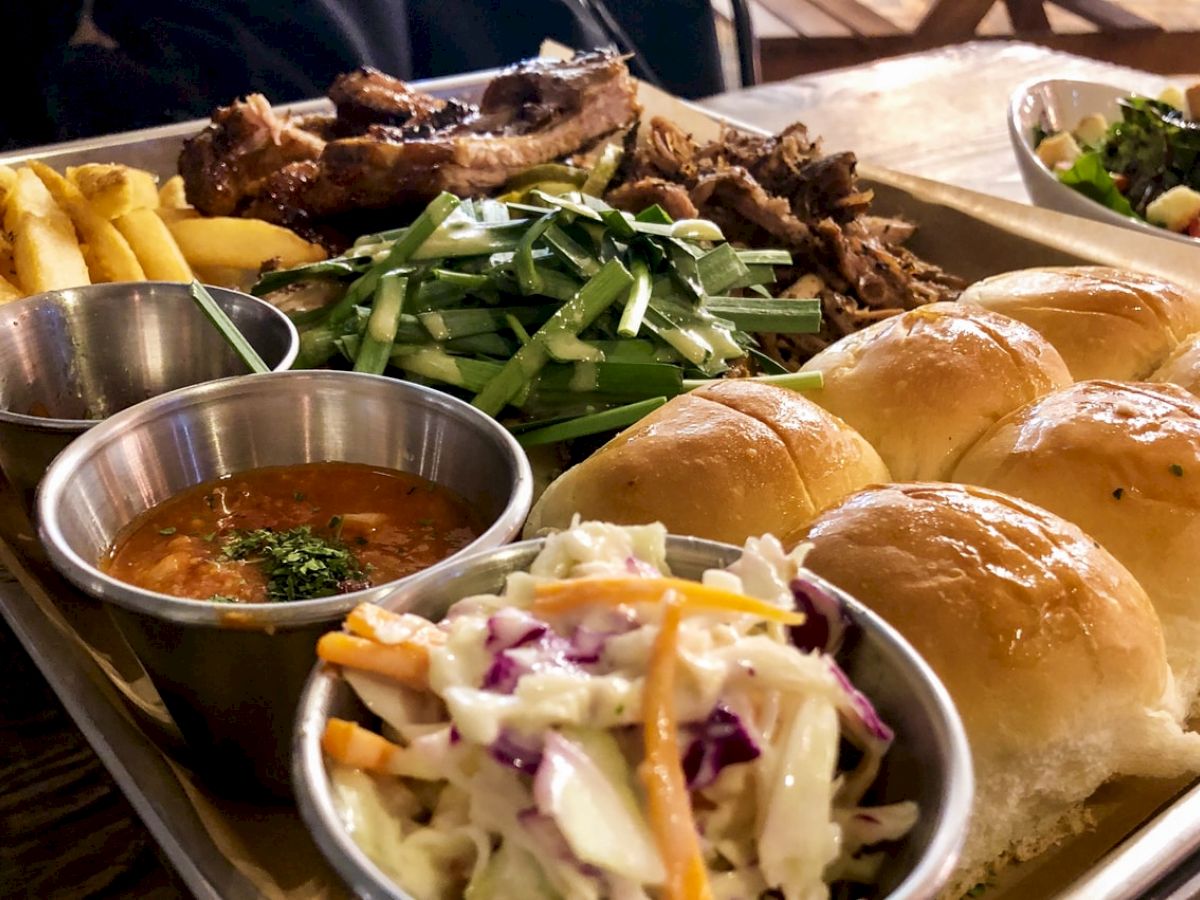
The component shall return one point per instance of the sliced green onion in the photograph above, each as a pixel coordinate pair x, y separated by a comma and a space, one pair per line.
793, 381
528, 276
782, 316
603, 171
765, 257
697, 230
638, 300
376, 345
720, 268
229, 331
328, 269
547, 172
618, 225
572, 317
595, 423
654, 215
568, 203
434, 363
573, 254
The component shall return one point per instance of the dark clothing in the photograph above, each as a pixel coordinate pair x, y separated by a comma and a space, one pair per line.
150, 63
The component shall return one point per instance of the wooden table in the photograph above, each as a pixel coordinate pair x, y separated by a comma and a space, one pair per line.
940, 114
65, 831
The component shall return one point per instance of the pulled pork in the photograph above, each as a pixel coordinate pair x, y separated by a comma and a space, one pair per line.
781, 191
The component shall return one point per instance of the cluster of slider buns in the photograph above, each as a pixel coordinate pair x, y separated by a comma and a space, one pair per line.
1013, 481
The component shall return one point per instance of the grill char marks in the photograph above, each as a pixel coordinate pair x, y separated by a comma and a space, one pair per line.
397, 146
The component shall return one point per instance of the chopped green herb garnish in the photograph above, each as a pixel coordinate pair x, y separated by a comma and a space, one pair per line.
1177, 470
166, 532
298, 564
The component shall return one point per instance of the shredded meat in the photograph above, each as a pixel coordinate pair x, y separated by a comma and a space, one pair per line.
780, 191
634, 196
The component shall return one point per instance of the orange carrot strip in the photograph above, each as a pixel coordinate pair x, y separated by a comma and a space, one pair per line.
374, 622
350, 743
661, 772
559, 596
406, 663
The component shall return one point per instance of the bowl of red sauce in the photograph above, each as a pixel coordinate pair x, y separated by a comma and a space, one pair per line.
228, 524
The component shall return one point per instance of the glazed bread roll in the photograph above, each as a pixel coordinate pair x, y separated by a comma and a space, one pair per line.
1121, 461
921, 387
1049, 646
1106, 323
1182, 367
729, 461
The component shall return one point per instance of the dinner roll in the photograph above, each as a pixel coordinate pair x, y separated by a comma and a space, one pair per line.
1182, 367
1048, 645
921, 387
728, 461
1106, 323
1121, 461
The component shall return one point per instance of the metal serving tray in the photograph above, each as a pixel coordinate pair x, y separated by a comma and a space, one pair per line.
1147, 833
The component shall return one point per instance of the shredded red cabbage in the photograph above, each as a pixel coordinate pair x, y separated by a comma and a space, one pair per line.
513, 750
859, 715
721, 740
826, 622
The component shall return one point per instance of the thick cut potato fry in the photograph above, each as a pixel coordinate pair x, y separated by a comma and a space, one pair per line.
241, 243
8, 180
109, 256
156, 250
8, 268
171, 214
29, 197
47, 255
172, 194
9, 291
113, 190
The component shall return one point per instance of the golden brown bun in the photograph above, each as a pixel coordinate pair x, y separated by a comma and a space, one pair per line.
1048, 645
1106, 323
1121, 461
729, 461
921, 387
1182, 367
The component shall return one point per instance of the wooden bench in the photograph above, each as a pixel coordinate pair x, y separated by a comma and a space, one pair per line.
1121, 36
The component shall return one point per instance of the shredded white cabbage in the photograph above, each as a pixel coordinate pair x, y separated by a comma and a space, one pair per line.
520, 764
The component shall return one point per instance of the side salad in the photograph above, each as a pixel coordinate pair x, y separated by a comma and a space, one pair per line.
603, 729
1145, 166
548, 308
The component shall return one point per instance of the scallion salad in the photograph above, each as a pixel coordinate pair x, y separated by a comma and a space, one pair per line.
555, 312
605, 730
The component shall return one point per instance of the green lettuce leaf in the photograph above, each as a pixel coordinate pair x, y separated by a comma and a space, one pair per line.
1091, 178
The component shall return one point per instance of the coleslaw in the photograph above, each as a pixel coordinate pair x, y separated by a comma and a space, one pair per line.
602, 729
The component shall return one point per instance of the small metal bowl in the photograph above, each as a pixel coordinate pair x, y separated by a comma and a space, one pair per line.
929, 762
231, 674
71, 358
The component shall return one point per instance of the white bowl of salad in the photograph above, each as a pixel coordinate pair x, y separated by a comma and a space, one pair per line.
612, 712
1106, 153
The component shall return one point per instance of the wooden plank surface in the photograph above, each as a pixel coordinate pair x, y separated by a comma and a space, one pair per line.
940, 115
1108, 16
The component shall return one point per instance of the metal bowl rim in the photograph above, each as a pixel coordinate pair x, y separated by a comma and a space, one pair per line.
930, 873
301, 612
67, 426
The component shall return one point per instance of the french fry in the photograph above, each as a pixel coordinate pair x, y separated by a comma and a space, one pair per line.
8, 180
159, 255
109, 256
47, 255
9, 291
172, 194
241, 243
8, 268
45, 252
29, 197
112, 189
170, 214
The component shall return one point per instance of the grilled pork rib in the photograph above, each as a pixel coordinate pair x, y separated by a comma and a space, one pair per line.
397, 146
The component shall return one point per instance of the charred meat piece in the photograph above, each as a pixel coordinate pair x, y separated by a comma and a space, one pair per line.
410, 147
367, 97
634, 196
246, 143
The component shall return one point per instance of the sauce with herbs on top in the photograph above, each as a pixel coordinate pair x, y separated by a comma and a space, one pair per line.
291, 533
